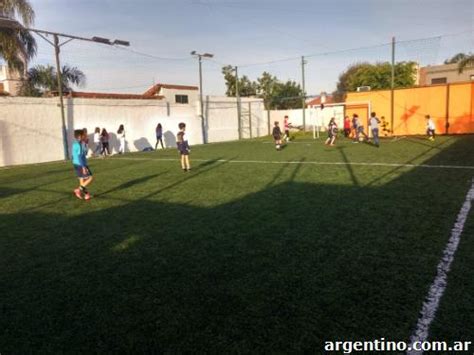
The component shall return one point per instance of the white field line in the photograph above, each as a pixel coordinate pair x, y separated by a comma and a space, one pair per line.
431, 304
398, 165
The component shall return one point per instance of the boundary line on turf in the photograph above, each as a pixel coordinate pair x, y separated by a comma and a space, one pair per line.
398, 165
437, 288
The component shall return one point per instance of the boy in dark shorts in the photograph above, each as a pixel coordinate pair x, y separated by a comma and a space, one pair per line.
183, 147
79, 162
277, 136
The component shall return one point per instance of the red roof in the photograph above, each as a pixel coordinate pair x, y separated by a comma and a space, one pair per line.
106, 95
157, 87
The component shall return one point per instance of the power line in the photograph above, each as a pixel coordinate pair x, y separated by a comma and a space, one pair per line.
148, 55
354, 49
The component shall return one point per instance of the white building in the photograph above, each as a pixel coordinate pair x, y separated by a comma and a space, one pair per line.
174, 94
10, 81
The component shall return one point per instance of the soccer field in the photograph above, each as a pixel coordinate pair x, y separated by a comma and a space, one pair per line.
252, 251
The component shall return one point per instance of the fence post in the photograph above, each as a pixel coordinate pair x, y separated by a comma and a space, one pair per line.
447, 110
250, 118
268, 121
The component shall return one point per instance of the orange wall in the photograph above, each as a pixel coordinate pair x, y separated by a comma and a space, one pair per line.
411, 106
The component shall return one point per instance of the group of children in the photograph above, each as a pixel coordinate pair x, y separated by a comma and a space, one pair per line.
276, 133
80, 149
101, 141
352, 127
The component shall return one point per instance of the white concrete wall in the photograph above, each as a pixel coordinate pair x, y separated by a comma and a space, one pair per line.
222, 118
31, 130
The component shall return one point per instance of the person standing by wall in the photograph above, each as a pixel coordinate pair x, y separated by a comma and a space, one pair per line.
374, 126
159, 136
121, 136
97, 145
104, 140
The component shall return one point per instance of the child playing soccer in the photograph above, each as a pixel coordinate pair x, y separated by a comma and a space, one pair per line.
79, 162
183, 147
430, 128
374, 126
277, 136
332, 132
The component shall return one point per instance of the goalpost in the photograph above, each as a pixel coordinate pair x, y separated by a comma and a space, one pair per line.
321, 115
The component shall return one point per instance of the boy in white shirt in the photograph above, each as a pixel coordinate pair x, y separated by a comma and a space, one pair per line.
374, 126
430, 128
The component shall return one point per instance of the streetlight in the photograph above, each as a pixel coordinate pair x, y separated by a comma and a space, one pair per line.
6, 22
200, 56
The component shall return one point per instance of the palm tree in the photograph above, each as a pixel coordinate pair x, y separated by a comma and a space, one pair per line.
467, 61
17, 47
42, 78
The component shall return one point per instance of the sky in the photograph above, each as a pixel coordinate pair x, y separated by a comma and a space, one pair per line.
257, 36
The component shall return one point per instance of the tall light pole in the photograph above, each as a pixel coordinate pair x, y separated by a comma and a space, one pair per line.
392, 89
239, 105
201, 98
6, 22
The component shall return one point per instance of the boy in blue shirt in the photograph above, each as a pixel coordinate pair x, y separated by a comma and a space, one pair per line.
79, 162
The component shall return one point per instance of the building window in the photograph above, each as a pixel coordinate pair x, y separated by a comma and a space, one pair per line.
181, 99
439, 81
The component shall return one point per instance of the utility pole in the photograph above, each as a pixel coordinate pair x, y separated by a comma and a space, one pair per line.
201, 96
201, 102
392, 89
303, 99
60, 91
239, 107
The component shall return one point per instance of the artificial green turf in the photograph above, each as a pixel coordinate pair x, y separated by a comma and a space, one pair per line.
233, 257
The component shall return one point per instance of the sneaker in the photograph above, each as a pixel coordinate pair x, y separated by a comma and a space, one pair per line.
78, 194
87, 196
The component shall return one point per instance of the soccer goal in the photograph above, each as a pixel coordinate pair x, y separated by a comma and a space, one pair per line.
321, 115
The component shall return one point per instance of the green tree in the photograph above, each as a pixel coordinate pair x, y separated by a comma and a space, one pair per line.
266, 85
286, 95
467, 61
377, 76
275, 94
456, 58
17, 47
42, 78
246, 86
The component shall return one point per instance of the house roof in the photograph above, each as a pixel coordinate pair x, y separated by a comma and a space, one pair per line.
317, 100
157, 88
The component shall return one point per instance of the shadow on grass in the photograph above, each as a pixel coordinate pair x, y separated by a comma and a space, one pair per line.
281, 270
